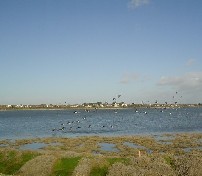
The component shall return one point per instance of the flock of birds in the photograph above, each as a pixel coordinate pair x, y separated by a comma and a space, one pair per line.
82, 121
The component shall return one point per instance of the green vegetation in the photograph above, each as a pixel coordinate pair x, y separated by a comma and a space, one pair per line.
75, 156
170, 161
12, 161
103, 169
65, 166
116, 160
99, 171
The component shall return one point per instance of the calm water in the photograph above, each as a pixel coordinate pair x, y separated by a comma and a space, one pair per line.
66, 123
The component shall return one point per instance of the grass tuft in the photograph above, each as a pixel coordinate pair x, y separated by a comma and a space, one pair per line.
65, 166
99, 171
116, 160
12, 161
170, 161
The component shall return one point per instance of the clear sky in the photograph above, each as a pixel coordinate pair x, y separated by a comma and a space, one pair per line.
76, 51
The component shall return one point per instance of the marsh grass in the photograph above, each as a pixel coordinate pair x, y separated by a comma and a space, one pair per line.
189, 164
170, 161
120, 160
100, 166
99, 171
12, 161
151, 165
65, 166
83, 156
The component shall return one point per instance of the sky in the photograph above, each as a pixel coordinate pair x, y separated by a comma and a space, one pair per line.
76, 51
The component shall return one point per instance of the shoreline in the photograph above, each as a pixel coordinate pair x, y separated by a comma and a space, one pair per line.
105, 136
91, 109
188, 135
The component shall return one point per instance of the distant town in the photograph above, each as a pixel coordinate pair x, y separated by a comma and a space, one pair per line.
97, 105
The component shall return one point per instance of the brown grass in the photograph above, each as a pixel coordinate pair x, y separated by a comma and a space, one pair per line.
41, 165
166, 159
189, 164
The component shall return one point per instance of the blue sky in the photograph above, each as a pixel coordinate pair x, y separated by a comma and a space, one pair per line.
78, 51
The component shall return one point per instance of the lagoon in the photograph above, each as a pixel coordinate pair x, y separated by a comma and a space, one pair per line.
21, 124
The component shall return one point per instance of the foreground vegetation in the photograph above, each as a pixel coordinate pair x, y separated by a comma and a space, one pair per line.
11, 160
65, 166
173, 155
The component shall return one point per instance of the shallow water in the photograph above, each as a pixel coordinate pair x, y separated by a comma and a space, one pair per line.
189, 149
65, 123
108, 147
36, 146
133, 145
3, 145
164, 139
33, 146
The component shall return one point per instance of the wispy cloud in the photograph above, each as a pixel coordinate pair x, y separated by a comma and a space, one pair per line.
191, 81
133, 4
190, 62
129, 77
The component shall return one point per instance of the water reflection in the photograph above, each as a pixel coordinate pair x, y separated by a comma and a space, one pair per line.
132, 145
36, 146
108, 147
164, 139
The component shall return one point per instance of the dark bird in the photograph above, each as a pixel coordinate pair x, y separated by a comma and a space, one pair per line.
119, 96
62, 128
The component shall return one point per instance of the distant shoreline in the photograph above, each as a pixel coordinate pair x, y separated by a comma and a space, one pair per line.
97, 105
101, 108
